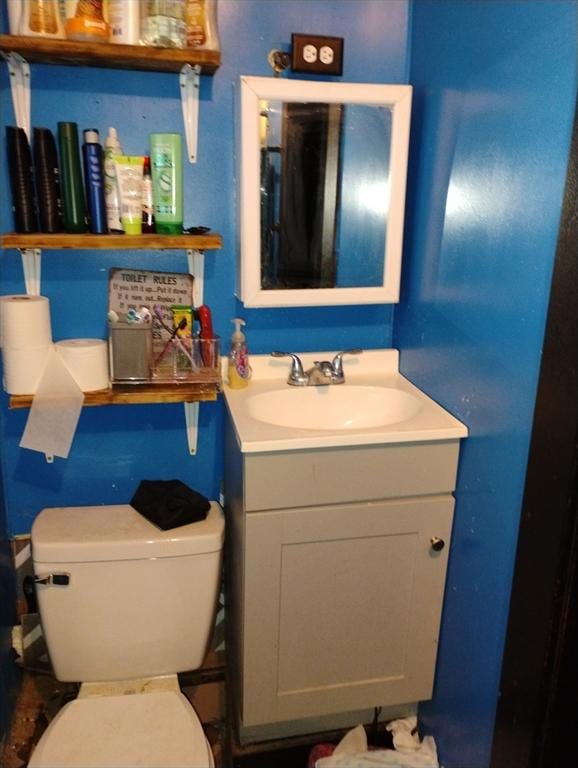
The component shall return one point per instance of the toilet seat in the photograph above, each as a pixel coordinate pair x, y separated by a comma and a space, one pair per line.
148, 730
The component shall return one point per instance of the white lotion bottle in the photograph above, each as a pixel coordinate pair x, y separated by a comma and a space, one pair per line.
124, 21
112, 149
14, 10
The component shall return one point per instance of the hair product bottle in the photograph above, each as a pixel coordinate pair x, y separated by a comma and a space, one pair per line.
167, 175
21, 180
148, 216
163, 23
14, 8
129, 175
201, 24
124, 21
71, 178
41, 18
112, 149
47, 180
94, 182
87, 24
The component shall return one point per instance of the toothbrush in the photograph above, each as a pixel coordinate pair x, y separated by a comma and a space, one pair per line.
174, 338
206, 335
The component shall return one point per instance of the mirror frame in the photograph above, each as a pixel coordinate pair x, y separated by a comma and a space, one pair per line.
256, 89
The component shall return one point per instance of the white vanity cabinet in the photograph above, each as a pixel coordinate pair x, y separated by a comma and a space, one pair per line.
336, 570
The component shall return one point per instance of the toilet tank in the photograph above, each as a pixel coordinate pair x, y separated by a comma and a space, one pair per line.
124, 599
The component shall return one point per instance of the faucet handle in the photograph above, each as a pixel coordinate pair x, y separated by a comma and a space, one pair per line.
337, 363
296, 374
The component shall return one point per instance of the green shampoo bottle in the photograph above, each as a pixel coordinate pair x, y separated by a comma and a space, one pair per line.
71, 183
167, 176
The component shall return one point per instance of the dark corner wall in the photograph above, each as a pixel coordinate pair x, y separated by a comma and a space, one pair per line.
495, 89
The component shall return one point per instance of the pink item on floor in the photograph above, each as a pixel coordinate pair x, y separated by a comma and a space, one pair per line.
319, 751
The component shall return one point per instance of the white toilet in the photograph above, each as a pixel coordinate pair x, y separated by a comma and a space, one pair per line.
124, 608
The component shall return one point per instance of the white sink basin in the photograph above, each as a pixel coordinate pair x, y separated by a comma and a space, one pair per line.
333, 407
375, 406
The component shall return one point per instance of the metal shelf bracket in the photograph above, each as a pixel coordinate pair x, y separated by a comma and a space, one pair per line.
189, 82
196, 267
19, 71
31, 265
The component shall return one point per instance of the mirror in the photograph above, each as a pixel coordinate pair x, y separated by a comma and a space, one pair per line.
323, 174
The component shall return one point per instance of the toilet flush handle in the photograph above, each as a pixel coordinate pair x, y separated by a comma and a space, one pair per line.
56, 579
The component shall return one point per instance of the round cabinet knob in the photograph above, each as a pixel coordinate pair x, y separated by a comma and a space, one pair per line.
437, 544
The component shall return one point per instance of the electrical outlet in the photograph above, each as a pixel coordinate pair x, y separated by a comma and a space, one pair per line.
326, 55
310, 54
317, 54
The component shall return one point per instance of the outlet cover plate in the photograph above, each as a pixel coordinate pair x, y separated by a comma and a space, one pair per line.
316, 54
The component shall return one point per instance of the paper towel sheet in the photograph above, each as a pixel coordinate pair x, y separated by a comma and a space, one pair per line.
55, 411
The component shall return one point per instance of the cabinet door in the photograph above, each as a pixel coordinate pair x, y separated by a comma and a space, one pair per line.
342, 607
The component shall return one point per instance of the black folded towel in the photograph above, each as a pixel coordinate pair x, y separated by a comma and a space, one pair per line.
169, 503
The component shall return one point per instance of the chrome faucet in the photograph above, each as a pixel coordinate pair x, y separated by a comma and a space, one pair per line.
320, 374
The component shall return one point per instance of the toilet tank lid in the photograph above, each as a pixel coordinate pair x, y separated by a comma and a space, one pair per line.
118, 532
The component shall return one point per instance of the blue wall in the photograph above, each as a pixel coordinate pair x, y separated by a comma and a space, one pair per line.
117, 446
495, 85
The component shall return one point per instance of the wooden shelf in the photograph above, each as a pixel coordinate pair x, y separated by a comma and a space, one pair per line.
146, 58
140, 394
61, 241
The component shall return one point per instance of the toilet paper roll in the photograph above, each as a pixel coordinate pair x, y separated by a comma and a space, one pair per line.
25, 322
87, 361
23, 369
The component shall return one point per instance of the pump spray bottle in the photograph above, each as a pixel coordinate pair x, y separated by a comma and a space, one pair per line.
238, 369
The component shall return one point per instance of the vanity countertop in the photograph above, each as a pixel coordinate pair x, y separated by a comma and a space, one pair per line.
265, 412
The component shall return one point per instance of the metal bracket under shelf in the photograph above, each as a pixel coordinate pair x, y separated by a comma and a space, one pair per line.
196, 266
19, 71
31, 265
189, 81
